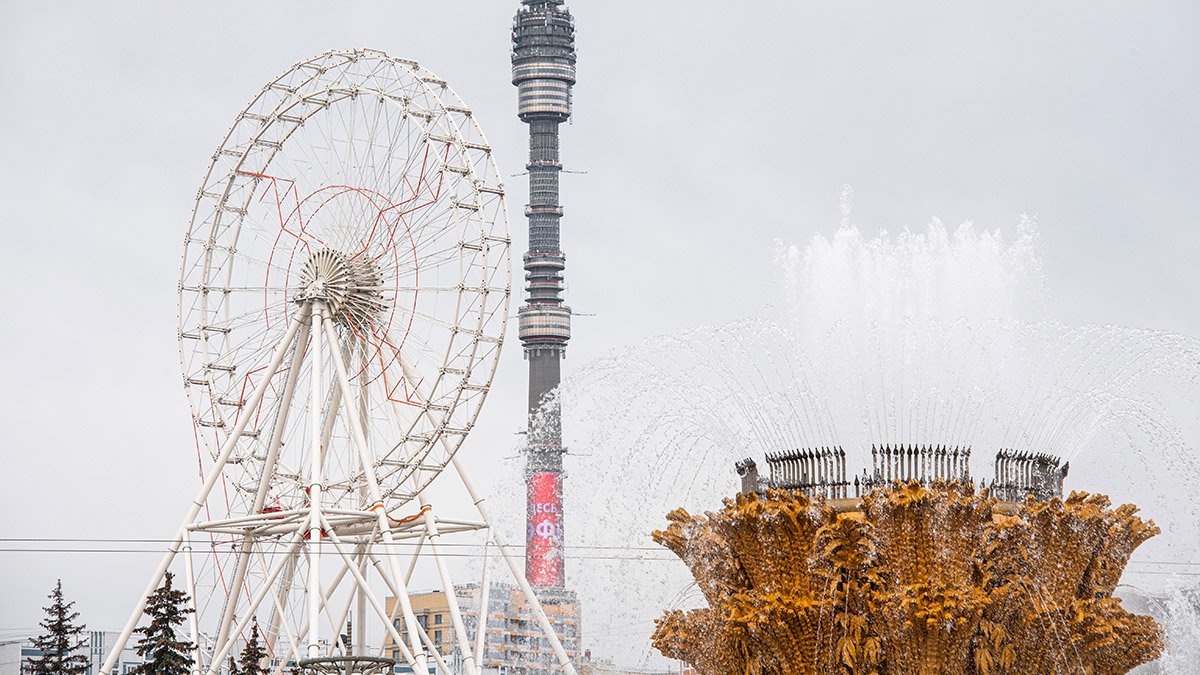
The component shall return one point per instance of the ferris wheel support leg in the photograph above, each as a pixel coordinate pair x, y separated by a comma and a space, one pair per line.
260, 497
293, 651
193, 625
410, 656
326, 603
368, 467
451, 596
360, 616
213, 476
510, 559
235, 588
379, 569
314, 485
485, 589
334, 621
219, 655
431, 531
360, 613
433, 652
530, 596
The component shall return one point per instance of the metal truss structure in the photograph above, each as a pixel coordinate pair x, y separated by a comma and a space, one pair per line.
343, 300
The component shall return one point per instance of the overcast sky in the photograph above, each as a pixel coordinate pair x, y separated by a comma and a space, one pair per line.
707, 131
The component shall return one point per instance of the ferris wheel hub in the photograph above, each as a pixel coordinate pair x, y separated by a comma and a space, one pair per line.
351, 286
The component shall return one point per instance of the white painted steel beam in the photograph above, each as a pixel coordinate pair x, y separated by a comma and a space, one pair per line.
264, 482
316, 455
376, 495
214, 475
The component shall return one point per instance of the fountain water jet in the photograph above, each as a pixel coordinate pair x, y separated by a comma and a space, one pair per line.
949, 341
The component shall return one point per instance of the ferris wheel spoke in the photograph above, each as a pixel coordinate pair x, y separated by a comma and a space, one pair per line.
245, 362
259, 262
223, 326
434, 320
383, 178
420, 391
250, 289
419, 162
263, 223
448, 256
416, 151
405, 419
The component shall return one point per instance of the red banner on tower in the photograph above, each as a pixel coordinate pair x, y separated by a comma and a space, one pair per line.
544, 536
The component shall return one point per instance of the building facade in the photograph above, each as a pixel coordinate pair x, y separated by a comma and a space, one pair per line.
16, 654
513, 642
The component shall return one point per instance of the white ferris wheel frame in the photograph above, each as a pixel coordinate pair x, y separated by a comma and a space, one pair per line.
309, 522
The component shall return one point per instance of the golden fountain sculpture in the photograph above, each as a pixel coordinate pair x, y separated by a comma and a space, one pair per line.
917, 576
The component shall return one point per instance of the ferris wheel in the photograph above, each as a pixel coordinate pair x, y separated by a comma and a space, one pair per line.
361, 185
342, 305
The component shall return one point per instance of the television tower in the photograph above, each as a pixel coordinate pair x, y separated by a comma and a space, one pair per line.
543, 70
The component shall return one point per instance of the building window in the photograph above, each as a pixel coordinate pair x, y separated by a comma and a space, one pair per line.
437, 618
423, 620
437, 636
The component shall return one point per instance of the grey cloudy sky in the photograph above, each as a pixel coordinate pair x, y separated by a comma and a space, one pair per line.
707, 129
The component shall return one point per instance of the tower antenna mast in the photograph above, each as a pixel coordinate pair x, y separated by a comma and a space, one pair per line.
543, 70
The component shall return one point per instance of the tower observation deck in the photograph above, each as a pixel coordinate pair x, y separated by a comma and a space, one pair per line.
543, 70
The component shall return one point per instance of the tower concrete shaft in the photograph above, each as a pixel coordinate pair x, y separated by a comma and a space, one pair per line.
543, 70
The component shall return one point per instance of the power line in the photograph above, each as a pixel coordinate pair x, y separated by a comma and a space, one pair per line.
410, 544
379, 552
444, 544
1131, 569
1164, 573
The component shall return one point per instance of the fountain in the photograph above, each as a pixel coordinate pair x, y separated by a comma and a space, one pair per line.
917, 573
893, 340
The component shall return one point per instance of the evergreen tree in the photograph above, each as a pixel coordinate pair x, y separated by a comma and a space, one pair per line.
163, 651
233, 667
252, 655
61, 642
